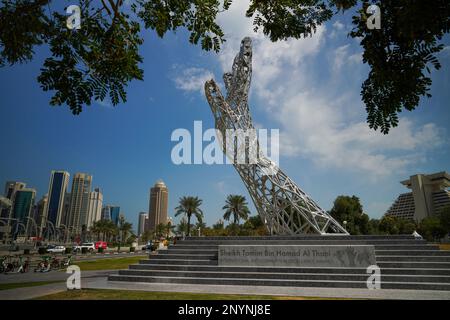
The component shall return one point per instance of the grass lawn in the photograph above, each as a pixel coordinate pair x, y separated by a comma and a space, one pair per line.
103, 294
6, 286
108, 263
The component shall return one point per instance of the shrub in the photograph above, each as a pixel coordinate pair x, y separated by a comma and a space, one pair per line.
100, 250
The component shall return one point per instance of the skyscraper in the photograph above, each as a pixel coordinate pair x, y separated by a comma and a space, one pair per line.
11, 188
143, 216
57, 189
40, 215
157, 213
23, 204
114, 212
106, 213
79, 201
95, 207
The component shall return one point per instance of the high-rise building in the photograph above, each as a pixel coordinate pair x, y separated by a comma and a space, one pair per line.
143, 216
59, 180
79, 201
22, 207
429, 195
66, 207
11, 188
106, 213
40, 215
5, 204
95, 207
157, 212
115, 213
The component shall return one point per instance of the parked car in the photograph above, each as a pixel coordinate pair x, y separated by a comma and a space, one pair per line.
101, 244
90, 246
56, 249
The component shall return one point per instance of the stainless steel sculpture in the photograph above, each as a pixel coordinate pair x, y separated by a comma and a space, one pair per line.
282, 205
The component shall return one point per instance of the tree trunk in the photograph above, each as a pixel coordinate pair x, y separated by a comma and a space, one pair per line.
189, 225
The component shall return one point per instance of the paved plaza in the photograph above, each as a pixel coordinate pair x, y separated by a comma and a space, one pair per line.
98, 280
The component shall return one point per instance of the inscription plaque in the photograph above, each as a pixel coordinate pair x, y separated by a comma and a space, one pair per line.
339, 256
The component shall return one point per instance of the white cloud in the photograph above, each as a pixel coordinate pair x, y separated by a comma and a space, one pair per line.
322, 122
191, 79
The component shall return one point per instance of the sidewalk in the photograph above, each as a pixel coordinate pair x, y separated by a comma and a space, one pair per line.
103, 283
98, 281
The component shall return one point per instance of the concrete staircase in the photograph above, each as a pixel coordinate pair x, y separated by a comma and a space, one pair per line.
406, 263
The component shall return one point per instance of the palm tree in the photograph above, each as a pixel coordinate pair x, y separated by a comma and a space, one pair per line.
237, 206
168, 229
190, 206
160, 230
95, 229
124, 228
182, 226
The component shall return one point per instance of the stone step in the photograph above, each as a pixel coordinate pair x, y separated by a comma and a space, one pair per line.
189, 251
377, 247
414, 265
211, 268
180, 262
278, 282
194, 251
303, 237
302, 242
440, 253
413, 258
284, 276
170, 256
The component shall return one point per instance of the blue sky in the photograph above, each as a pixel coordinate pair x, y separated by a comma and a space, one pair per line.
308, 89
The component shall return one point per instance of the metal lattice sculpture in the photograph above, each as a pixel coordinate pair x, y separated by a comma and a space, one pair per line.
282, 205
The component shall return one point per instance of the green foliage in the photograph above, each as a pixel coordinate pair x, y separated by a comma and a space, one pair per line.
253, 226
444, 217
431, 228
349, 209
236, 206
393, 225
400, 56
100, 59
219, 225
23, 25
281, 20
104, 230
197, 16
189, 206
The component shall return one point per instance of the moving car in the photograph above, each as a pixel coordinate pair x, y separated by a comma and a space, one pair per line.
56, 249
90, 246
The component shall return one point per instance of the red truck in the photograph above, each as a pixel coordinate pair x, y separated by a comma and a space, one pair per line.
101, 244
